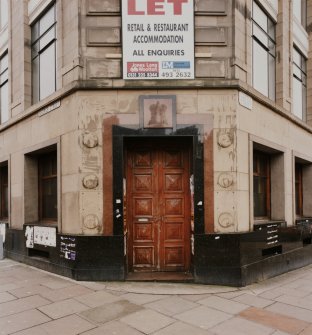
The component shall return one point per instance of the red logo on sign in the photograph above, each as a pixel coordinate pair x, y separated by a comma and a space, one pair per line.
142, 67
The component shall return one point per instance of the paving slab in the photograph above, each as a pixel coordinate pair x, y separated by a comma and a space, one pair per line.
304, 302
27, 291
180, 328
231, 295
63, 308
20, 305
57, 283
224, 305
13, 323
5, 297
253, 300
203, 317
114, 328
96, 299
171, 305
69, 325
141, 298
147, 321
109, 312
275, 320
239, 326
194, 297
307, 331
66, 292
92, 285
8, 287
167, 288
302, 284
291, 311
7, 280
35, 302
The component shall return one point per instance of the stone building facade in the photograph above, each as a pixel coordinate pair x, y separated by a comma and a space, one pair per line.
223, 195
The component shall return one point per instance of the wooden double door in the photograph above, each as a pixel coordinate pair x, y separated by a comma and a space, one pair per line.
158, 205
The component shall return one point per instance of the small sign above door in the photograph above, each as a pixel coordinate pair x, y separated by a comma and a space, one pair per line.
158, 111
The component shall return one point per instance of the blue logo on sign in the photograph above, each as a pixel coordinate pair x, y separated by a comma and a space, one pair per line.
175, 65
167, 65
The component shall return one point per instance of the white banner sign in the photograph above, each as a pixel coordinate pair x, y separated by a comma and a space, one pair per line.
158, 39
45, 236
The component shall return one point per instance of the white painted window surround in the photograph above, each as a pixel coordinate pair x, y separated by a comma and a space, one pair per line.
36, 7
271, 7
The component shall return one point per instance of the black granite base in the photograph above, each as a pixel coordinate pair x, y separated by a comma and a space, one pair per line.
236, 259
95, 257
240, 259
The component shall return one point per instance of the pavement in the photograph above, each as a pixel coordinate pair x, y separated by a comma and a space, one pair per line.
35, 302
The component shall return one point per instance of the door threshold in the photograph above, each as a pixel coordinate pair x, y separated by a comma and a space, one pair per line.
176, 277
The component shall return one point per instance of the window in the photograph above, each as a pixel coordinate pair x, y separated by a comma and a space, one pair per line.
47, 180
263, 33
4, 94
4, 203
261, 185
43, 47
299, 84
3, 13
299, 189
300, 11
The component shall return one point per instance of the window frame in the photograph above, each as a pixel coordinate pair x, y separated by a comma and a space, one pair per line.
302, 69
299, 190
303, 13
257, 156
5, 9
4, 187
270, 34
4, 82
37, 52
50, 157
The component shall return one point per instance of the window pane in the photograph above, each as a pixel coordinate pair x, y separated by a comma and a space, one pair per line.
261, 35
43, 56
4, 63
4, 203
298, 189
5, 211
271, 29
47, 38
296, 72
304, 13
271, 48
274, 4
304, 102
4, 103
48, 186
297, 98
271, 77
296, 57
49, 198
260, 197
3, 13
297, 9
35, 32
4, 77
48, 165
259, 16
35, 50
260, 69
35, 80
47, 21
47, 72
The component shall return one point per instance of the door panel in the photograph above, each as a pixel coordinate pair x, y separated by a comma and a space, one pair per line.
158, 206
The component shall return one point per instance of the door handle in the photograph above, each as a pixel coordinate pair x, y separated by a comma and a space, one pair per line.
143, 219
